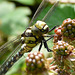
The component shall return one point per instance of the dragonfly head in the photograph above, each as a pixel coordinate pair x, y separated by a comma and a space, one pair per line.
40, 28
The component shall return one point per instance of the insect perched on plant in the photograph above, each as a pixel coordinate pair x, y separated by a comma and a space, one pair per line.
29, 38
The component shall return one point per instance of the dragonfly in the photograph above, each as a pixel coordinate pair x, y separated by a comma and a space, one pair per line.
29, 38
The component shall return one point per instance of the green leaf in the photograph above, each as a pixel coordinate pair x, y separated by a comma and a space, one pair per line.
62, 12
15, 22
6, 8
27, 2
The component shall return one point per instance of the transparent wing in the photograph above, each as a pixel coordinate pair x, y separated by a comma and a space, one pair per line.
38, 11
8, 47
11, 55
49, 13
50, 17
7, 44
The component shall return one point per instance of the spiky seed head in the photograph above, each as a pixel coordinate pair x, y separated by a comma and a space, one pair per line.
68, 28
62, 48
34, 61
58, 35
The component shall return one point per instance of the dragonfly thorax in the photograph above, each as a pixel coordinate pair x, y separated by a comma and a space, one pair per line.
33, 35
40, 28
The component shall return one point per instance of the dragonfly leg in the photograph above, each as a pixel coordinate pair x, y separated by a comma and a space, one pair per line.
53, 28
49, 38
46, 46
40, 46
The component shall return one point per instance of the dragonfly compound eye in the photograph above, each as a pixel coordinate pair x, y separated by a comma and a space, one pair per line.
42, 26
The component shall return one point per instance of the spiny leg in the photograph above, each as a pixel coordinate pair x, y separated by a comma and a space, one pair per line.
46, 46
53, 28
40, 46
50, 38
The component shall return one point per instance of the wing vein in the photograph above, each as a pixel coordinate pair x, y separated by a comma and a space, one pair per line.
38, 11
50, 11
11, 55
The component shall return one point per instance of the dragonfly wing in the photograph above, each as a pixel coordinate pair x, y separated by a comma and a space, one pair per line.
8, 47
50, 16
38, 11
7, 43
49, 13
12, 54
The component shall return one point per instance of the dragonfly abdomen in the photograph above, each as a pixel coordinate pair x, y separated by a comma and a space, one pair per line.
6, 66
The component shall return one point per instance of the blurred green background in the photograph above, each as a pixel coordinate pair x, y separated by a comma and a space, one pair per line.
15, 15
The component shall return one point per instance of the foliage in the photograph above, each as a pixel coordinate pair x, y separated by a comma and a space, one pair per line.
27, 2
14, 20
